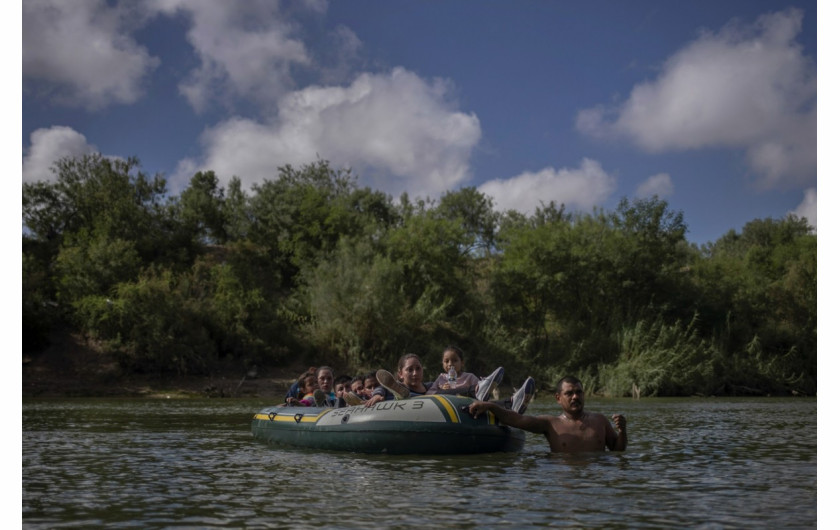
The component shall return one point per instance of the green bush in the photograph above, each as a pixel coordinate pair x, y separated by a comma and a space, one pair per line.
659, 359
151, 327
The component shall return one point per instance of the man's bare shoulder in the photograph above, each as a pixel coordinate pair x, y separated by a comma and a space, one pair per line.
550, 418
556, 422
596, 419
596, 416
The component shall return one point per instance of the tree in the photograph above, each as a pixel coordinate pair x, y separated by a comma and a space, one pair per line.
533, 277
237, 213
96, 226
474, 211
105, 199
652, 250
429, 251
301, 214
358, 304
88, 266
202, 208
758, 288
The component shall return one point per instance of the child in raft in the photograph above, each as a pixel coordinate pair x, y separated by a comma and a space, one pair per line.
468, 384
317, 389
340, 387
464, 384
355, 392
342, 384
361, 389
410, 375
371, 384
357, 385
294, 390
307, 383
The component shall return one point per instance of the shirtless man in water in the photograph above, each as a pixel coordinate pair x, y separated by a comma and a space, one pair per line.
574, 431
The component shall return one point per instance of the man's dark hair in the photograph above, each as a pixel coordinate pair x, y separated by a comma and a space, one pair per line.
572, 380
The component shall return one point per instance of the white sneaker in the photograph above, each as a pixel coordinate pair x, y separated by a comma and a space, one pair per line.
489, 383
523, 396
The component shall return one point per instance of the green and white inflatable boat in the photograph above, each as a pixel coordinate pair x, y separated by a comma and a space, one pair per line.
436, 424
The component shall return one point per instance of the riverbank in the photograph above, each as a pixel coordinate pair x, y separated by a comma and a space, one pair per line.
73, 367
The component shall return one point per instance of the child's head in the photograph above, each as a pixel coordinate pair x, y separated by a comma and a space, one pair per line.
410, 370
307, 383
371, 382
357, 385
342, 383
453, 356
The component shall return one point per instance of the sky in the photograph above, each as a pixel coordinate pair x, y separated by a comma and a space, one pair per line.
709, 105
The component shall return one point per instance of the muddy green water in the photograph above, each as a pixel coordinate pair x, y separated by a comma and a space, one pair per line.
691, 463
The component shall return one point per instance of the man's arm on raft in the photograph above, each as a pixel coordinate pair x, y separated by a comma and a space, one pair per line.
617, 439
535, 424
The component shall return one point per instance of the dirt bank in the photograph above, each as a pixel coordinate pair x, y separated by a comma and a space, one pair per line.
73, 367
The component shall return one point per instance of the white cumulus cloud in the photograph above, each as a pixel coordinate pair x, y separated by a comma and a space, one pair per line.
245, 49
659, 184
808, 207
402, 133
744, 87
582, 187
48, 146
80, 52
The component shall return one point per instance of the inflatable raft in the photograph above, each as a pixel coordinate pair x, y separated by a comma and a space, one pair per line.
436, 424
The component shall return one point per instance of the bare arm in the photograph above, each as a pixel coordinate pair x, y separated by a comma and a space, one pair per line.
376, 398
535, 424
617, 439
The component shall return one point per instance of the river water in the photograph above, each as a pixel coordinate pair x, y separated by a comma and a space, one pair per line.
691, 463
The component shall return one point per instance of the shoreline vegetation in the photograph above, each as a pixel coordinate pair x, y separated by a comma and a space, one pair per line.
74, 367
128, 290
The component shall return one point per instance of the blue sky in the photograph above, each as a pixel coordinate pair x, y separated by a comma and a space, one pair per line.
710, 105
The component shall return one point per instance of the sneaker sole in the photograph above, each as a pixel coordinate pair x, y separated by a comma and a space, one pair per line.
352, 399
391, 384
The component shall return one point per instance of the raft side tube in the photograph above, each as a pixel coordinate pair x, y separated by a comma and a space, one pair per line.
437, 424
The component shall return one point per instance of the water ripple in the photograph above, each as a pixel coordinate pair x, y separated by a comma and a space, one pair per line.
192, 464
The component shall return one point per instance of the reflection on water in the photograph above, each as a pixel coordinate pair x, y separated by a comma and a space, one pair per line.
709, 463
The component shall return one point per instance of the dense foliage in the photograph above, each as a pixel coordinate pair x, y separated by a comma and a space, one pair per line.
309, 265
